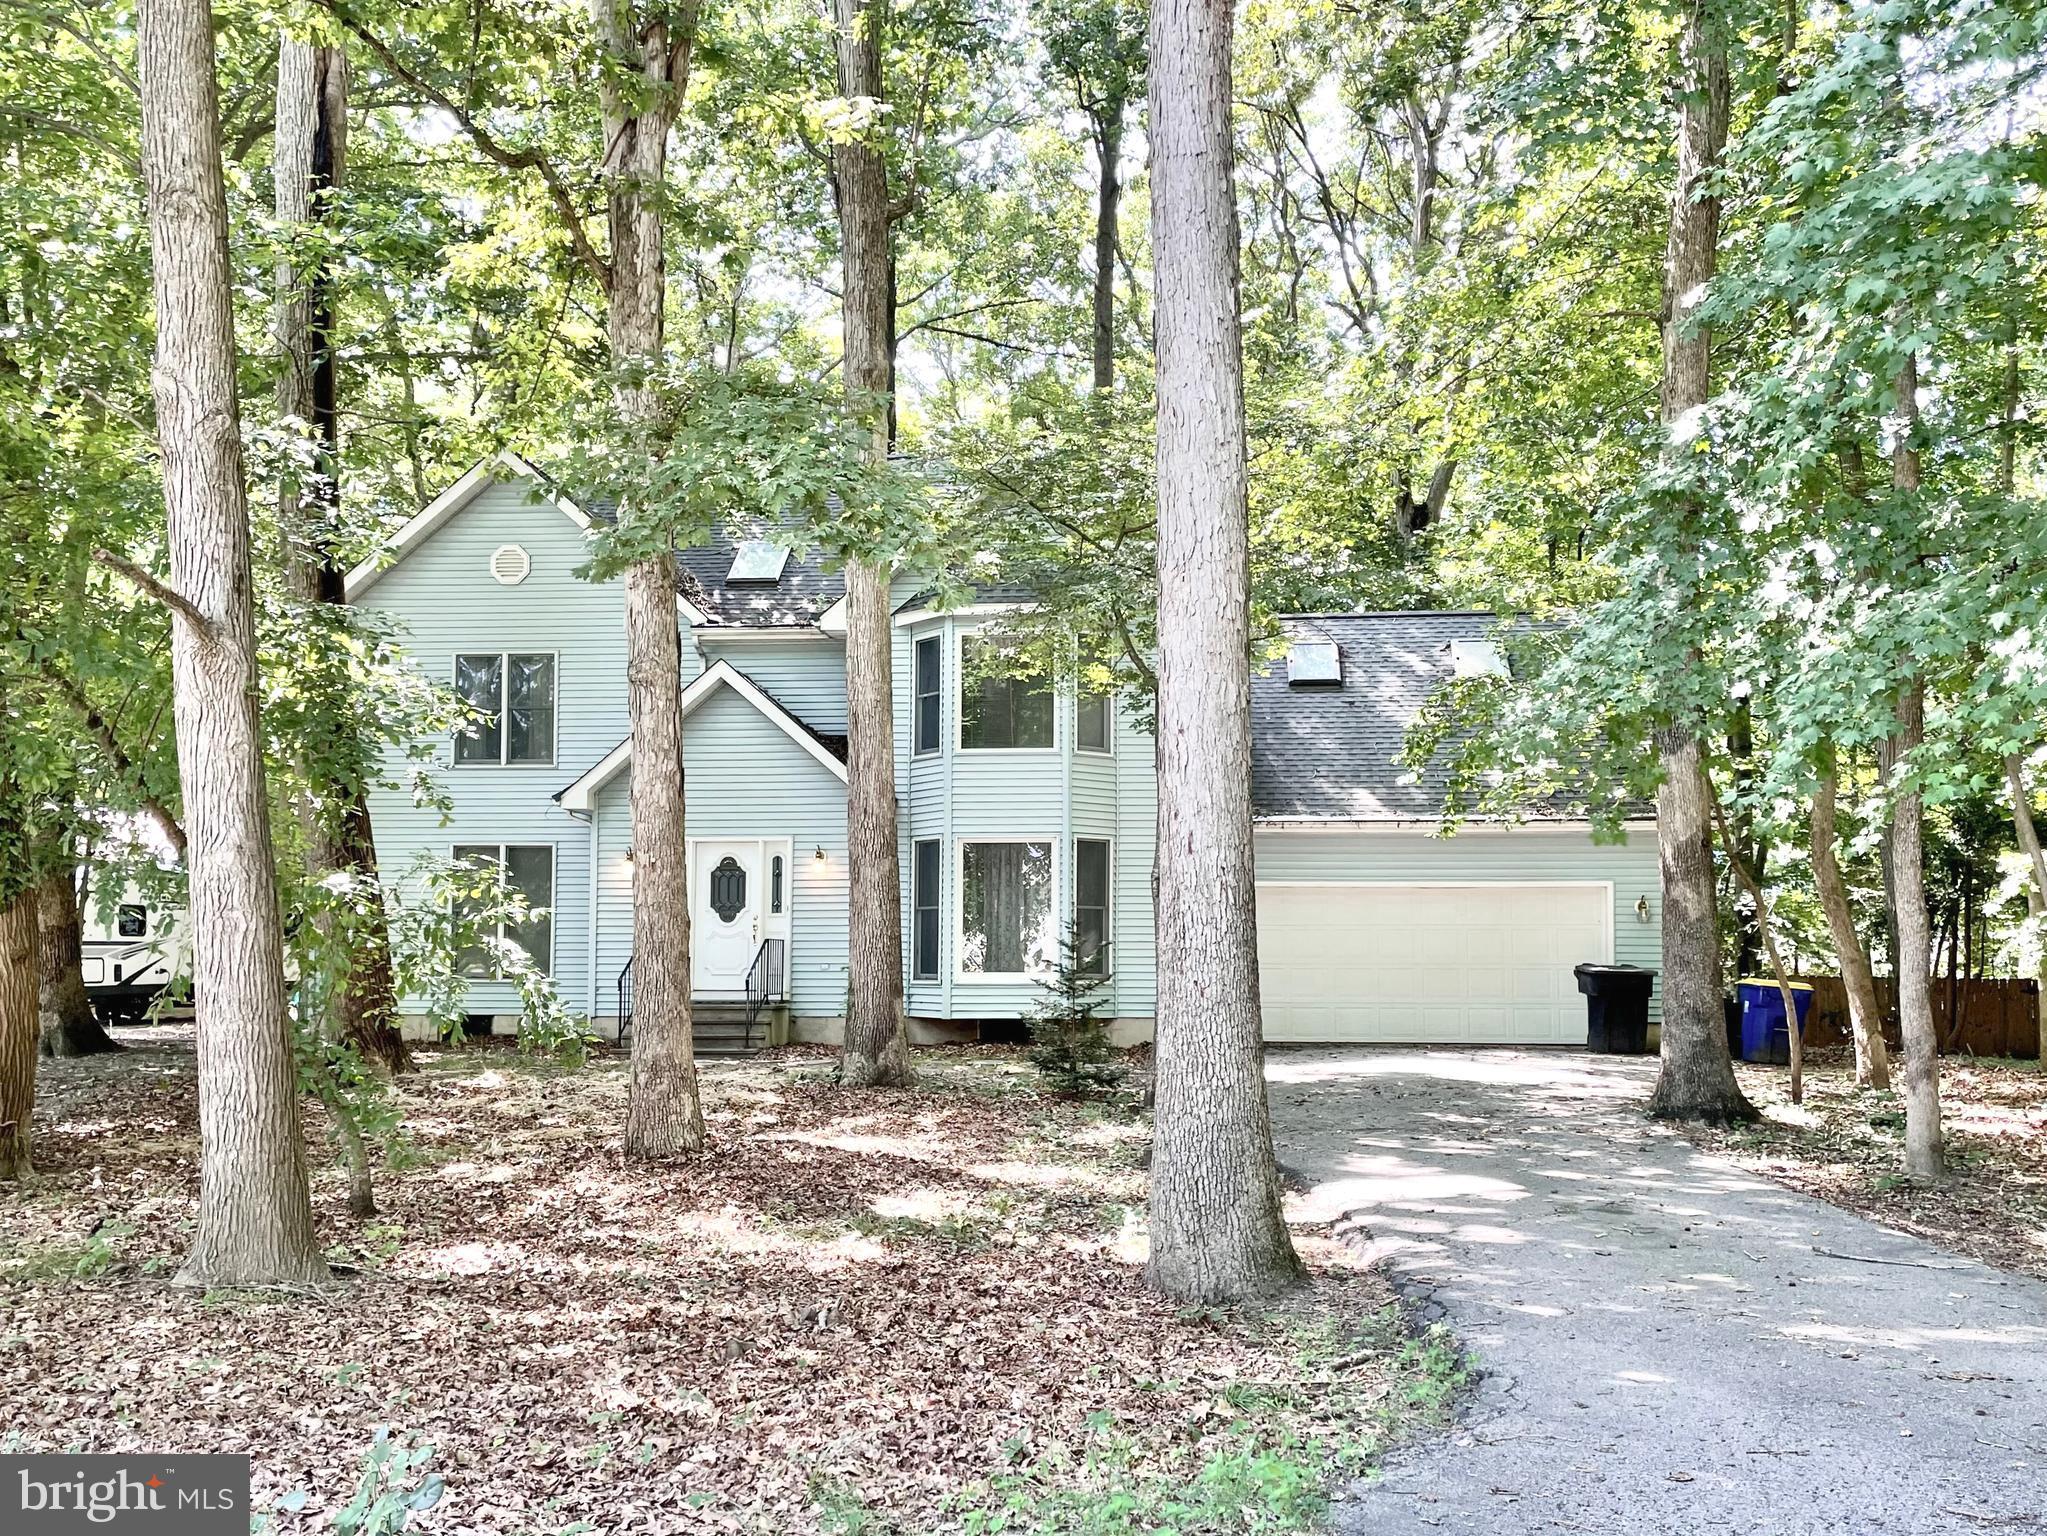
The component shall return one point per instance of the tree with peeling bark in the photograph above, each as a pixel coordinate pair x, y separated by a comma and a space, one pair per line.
1218, 1231
1697, 1080
255, 1221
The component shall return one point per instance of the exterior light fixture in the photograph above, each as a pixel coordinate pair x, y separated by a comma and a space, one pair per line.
1642, 909
818, 855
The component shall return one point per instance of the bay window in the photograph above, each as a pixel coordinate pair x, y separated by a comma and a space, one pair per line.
1007, 924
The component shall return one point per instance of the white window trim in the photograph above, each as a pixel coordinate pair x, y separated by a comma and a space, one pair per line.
1108, 971
554, 740
937, 973
959, 904
1079, 748
937, 638
959, 709
554, 868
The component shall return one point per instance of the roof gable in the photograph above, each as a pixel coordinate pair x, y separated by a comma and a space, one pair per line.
581, 795
436, 514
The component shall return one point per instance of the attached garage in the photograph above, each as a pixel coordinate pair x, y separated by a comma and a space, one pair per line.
1483, 963
1374, 923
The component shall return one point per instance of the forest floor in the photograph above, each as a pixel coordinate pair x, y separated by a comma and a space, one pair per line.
1846, 1147
858, 1312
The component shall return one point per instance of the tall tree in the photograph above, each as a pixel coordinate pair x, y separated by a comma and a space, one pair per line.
643, 71
308, 161
1920, 1078
877, 1048
255, 1222
643, 56
1697, 1080
1218, 1230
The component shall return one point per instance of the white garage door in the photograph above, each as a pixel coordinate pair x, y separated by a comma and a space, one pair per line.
1436, 963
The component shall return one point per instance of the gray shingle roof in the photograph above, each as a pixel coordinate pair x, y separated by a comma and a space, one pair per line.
806, 589
1333, 751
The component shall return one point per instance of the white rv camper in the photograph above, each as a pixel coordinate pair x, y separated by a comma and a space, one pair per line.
134, 950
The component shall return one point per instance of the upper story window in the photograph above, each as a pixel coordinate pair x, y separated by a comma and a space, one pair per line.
926, 716
1093, 720
513, 694
1001, 710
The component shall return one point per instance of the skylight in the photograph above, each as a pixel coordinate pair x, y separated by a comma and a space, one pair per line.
1477, 658
757, 560
1314, 663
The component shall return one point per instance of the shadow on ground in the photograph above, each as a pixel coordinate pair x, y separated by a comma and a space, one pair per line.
1669, 1344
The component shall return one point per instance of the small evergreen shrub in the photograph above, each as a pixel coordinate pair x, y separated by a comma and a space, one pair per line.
1069, 1045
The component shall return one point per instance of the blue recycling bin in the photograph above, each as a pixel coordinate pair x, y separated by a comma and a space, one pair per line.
1764, 1036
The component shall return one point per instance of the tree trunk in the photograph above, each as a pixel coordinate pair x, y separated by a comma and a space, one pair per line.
18, 946
68, 1025
877, 1043
644, 73
1748, 922
1872, 1058
255, 1220
1218, 1231
1697, 1081
1108, 116
2036, 889
309, 159
1921, 1074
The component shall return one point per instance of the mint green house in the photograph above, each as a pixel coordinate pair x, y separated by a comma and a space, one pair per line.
1026, 811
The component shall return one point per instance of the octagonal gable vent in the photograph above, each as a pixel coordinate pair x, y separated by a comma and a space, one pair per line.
510, 565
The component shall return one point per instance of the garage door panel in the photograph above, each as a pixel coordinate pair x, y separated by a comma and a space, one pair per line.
1480, 963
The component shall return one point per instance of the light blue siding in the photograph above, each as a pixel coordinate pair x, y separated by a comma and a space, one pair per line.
807, 677
445, 600
1531, 855
744, 778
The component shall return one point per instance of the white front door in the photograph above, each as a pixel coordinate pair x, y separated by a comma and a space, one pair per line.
725, 882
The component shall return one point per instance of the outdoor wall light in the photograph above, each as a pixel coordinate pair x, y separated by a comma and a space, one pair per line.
1642, 909
628, 855
818, 855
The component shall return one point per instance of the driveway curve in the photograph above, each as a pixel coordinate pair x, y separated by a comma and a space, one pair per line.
1668, 1344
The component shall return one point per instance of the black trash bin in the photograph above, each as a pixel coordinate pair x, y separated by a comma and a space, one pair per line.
1616, 1008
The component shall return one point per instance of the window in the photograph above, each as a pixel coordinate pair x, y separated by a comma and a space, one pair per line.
1314, 663
927, 695
728, 889
131, 920
1006, 921
999, 711
757, 560
1092, 863
1478, 658
509, 904
924, 911
514, 696
1092, 715
775, 884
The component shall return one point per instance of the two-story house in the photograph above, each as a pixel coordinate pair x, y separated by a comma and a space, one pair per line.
1026, 811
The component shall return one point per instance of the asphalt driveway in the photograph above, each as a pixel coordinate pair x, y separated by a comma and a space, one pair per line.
1669, 1345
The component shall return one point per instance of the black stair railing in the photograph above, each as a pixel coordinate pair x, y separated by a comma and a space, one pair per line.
765, 982
625, 1002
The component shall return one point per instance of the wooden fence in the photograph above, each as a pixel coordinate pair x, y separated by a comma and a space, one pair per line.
1982, 1018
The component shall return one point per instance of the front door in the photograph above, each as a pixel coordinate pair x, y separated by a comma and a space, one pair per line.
725, 915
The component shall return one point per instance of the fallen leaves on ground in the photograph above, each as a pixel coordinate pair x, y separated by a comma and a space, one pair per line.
856, 1310
1846, 1145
